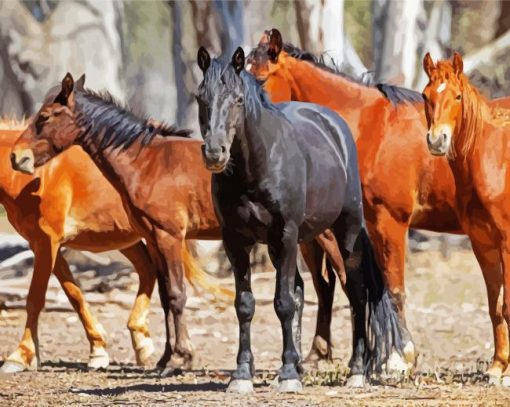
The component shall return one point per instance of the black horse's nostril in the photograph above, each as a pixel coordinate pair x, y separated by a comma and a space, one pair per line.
223, 149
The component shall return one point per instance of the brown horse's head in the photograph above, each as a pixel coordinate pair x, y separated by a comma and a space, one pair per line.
51, 130
267, 63
443, 102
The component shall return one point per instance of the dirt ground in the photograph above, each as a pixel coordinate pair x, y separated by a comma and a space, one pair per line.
446, 311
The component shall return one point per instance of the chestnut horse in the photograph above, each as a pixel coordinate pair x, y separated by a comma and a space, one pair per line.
165, 189
56, 207
475, 139
400, 191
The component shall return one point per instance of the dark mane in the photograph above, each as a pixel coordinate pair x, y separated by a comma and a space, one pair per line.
395, 94
103, 116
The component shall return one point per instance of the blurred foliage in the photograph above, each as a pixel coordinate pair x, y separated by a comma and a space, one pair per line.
358, 28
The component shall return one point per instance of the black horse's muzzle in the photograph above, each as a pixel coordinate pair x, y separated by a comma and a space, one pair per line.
215, 158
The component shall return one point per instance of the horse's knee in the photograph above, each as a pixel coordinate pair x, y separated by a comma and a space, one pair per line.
284, 307
245, 306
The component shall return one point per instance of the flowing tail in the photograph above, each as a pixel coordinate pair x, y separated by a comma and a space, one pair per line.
198, 277
384, 326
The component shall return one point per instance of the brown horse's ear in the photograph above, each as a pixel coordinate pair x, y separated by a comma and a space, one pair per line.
238, 60
203, 59
66, 91
275, 45
428, 64
80, 83
458, 64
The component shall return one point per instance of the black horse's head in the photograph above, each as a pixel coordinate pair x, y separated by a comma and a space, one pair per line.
220, 106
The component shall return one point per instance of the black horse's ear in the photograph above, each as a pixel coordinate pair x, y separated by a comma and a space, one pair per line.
275, 45
203, 59
238, 60
80, 83
66, 91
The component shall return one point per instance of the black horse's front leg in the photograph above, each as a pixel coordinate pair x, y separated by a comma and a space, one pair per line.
283, 252
238, 248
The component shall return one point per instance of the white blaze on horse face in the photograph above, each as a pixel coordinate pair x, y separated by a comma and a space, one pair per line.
441, 87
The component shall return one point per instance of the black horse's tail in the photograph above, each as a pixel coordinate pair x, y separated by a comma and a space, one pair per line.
384, 327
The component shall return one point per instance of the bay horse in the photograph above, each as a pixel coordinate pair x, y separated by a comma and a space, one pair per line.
282, 174
475, 139
400, 191
146, 169
56, 207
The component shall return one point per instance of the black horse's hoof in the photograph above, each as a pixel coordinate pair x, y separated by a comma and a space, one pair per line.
240, 386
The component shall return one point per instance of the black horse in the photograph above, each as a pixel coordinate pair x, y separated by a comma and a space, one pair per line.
283, 173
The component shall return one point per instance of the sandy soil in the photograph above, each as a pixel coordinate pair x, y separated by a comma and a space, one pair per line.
447, 315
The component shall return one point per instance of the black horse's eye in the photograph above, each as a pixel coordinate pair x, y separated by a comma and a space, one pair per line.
459, 97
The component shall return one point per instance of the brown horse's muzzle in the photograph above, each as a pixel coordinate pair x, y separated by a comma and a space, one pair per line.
23, 160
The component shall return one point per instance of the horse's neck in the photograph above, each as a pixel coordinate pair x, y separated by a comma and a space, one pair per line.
252, 147
312, 84
115, 165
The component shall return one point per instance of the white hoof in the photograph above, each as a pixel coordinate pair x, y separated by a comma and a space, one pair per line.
98, 359
144, 352
409, 353
495, 380
356, 381
505, 381
396, 364
290, 386
11, 366
240, 386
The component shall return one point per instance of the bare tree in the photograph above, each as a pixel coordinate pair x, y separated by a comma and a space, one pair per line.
40, 53
396, 34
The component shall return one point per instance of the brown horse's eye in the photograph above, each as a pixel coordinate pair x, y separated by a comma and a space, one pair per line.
459, 97
40, 122
424, 97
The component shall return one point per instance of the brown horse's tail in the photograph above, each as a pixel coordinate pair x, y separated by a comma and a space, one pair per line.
198, 277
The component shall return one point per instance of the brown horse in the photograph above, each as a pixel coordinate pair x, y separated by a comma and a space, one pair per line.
475, 138
164, 186
400, 191
56, 207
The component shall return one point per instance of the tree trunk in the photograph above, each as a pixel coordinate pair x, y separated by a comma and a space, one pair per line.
395, 40
40, 53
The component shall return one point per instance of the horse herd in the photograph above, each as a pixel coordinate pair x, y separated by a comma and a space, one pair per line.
294, 154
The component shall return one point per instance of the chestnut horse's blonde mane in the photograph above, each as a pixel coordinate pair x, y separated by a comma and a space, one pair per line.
13, 124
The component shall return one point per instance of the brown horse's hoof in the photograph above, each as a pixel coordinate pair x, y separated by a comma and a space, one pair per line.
12, 366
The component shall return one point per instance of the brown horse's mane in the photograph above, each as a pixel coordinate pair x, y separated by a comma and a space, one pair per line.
118, 127
395, 94
475, 112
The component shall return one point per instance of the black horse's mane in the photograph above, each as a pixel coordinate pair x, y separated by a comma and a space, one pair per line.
115, 124
395, 94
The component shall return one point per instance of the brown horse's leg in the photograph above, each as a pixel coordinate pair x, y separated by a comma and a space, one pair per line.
137, 323
95, 332
389, 238
44, 260
505, 260
321, 345
170, 248
488, 258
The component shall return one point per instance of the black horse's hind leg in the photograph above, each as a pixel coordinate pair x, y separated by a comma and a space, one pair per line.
321, 345
299, 298
346, 230
238, 248
283, 253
